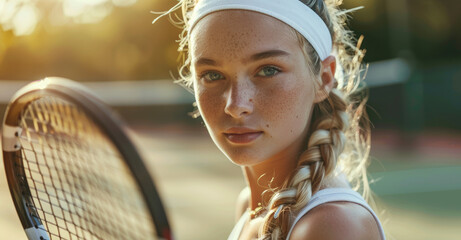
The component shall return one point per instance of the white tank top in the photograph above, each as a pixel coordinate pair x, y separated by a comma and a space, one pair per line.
321, 197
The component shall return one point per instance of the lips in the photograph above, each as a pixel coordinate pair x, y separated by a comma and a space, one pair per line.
242, 135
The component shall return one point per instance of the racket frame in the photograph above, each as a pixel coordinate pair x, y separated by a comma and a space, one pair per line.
109, 124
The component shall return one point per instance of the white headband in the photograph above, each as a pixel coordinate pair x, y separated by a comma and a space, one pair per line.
292, 12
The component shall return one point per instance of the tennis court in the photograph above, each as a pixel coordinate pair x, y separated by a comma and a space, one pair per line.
418, 194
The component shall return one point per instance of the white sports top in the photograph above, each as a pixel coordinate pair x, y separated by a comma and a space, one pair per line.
323, 196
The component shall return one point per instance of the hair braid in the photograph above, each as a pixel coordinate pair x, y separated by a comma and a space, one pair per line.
326, 143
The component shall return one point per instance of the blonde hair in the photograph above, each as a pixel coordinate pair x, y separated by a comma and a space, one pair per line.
340, 136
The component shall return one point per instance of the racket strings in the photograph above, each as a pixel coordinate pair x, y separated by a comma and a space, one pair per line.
79, 183
54, 129
54, 226
51, 218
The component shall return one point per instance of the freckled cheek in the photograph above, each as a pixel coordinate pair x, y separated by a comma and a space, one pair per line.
210, 106
287, 109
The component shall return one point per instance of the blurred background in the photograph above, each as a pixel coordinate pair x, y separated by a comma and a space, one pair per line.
414, 78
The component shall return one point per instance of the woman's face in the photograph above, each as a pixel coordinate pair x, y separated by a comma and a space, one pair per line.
252, 85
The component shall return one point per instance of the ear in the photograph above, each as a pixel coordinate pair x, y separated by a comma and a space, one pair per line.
327, 75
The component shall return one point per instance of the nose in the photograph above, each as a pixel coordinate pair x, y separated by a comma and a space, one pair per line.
239, 102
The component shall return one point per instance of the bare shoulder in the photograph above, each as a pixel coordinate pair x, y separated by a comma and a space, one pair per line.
242, 203
337, 220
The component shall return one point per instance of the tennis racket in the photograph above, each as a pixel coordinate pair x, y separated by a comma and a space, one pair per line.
72, 171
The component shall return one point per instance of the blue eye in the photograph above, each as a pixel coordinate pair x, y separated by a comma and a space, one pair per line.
212, 76
268, 71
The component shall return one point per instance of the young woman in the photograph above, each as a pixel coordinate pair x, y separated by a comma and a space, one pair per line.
274, 83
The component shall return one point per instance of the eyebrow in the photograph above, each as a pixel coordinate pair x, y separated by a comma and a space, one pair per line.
268, 54
254, 57
206, 61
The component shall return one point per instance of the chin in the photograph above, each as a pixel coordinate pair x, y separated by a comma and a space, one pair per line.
243, 159
247, 155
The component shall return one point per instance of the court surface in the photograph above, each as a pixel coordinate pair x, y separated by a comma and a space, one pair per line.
418, 194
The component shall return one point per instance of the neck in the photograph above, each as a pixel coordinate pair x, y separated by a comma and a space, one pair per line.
270, 175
